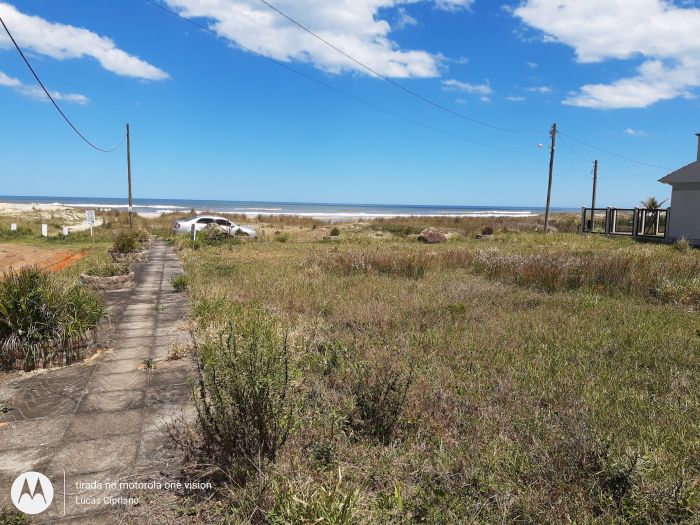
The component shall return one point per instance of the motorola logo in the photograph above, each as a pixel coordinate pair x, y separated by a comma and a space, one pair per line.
32, 492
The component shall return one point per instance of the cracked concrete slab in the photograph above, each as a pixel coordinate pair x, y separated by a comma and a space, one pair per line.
103, 420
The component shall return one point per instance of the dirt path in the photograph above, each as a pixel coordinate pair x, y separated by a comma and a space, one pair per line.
103, 421
16, 256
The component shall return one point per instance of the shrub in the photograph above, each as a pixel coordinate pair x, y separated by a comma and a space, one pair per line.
380, 399
179, 283
244, 407
42, 317
487, 230
126, 243
109, 269
308, 505
281, 237
335, 231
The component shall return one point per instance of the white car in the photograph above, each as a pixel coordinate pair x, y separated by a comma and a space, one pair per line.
202, 221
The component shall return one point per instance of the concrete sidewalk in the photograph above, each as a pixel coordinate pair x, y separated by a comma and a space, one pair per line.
101, 423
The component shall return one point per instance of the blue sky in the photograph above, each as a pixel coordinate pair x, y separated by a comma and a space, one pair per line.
211, 121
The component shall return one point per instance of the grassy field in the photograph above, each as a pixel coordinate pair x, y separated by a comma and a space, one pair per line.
520, 379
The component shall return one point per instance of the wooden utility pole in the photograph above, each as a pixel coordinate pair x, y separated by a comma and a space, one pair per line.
128, 167
595, 188
553, 133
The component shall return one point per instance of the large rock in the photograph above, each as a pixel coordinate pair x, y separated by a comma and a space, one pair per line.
431, 236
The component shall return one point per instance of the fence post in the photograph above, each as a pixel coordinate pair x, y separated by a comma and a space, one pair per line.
583, 219
608, 215
635, 222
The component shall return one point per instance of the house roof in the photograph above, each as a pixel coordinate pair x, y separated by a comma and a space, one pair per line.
689, 173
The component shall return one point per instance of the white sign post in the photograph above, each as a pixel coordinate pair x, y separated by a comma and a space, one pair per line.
65, 231
44, 230
90, 218
13, 227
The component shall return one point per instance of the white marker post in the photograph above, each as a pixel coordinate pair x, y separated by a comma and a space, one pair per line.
13, 227
194, 235
44, 230
90, 218
65, 231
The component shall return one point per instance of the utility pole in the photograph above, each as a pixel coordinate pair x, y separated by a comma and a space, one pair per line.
595, 188
553, 133
128, 167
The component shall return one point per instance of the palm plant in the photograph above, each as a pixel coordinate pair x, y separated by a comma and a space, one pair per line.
651, 218
652, 203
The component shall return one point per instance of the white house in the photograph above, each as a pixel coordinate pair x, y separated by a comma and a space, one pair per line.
684, 219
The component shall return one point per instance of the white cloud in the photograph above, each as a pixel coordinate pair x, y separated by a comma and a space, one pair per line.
350, 25
453, 5
37, 93
635, 132
532, 65
664, 35
465, 87
6, 80
539, 89
61, 41
516, 98
404, 19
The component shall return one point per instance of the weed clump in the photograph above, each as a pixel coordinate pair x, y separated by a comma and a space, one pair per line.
314, 505
179, 283
380, 399
400, 264
43, 317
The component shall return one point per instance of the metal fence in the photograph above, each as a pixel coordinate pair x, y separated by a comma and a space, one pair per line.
645, 223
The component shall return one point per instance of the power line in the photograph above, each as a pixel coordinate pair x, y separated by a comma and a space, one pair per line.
331, 86
396, 84
50, 97
623, 157
572, 150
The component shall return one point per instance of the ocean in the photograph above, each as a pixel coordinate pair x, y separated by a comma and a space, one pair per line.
326, 211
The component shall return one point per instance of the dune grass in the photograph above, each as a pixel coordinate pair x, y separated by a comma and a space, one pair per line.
523, 379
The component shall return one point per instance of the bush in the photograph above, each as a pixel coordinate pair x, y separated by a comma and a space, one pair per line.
109, 269
335, 231
487, 230
281, 237
126, 243
43, 317
179, 282
244, 407
380, 399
